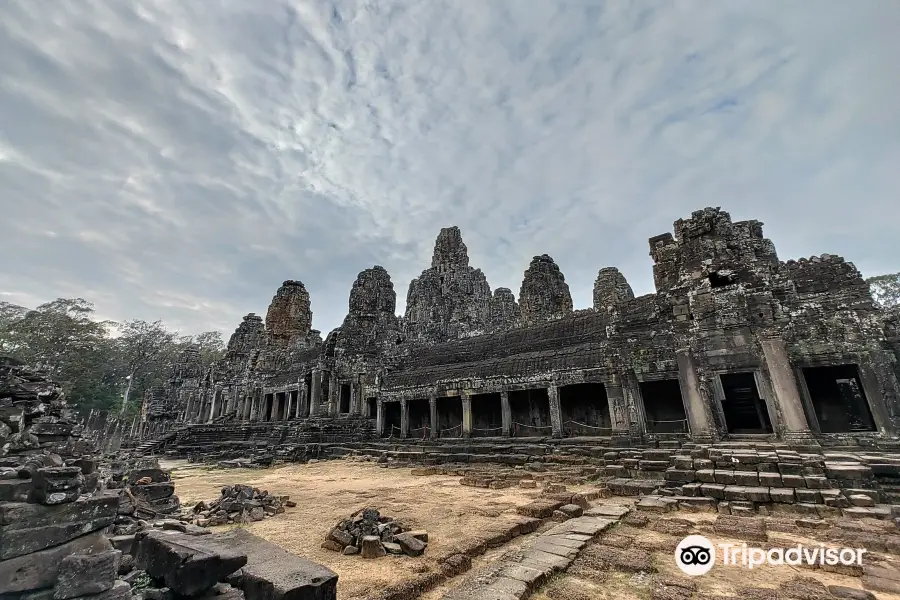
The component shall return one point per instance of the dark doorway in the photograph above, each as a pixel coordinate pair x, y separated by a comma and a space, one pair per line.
530, 412
293, 404
584, 409
449, 410
664, 406
280, 406
248, 407
487, 415
838, 399
344, 406
372, 408
326, 389
419, 417
391, 419
267, 413
745, 411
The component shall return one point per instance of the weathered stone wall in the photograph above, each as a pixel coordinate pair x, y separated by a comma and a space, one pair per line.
544, 295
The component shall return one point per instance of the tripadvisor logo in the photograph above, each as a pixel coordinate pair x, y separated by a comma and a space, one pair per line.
696, 555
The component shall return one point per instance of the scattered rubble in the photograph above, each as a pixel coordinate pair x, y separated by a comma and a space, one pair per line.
239, 504
372, 535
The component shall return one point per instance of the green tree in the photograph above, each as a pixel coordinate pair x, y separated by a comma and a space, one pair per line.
211, 345
62, 339
147, 351
885, 290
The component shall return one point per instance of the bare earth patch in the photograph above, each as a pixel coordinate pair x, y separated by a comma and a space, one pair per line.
329, 491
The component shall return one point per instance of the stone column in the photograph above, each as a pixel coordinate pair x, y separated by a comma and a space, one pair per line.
785, 388
254, 407
697, 410
334, 394
379, 417
315, 395
212, 409
555, 412
433, 417
277, 406
229, 407
404, 418
466, 399
505, 413
303, 401
618, 409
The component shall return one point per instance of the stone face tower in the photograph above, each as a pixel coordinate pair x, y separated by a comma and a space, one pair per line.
289, 317
545, 294
610, 289
451, 299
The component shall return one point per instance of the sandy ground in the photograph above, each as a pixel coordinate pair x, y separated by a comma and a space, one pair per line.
329, 491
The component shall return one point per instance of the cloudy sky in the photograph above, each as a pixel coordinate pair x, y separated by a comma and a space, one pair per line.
178, 159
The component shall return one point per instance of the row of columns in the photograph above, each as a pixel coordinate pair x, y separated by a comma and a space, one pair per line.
626, 412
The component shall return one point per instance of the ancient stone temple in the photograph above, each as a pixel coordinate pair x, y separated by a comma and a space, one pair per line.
734, 343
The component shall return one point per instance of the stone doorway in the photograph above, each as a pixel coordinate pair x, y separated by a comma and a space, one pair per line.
344, 402
744, 410
267, 407
838, 399
664, 406
487, 415
419, 417
391, 426
372, 408
530, 411
450, 414
584, 409
280, 409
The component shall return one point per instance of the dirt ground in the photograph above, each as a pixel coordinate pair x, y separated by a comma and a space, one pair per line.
451, 513
329, 491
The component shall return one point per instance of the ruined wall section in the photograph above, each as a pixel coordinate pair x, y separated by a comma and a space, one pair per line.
449, 300
544, 294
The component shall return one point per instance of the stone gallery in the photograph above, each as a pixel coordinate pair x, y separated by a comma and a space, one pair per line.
735, 344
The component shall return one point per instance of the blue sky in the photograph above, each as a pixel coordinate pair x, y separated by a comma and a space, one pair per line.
179, 160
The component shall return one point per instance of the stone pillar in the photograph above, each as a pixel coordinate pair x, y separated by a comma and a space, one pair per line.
379, 417
277, 406
555, 412
433, 417
315, 396
618, 408
303, 401
254, 407
334, 394
505, 413
697, 410
212, 409
229, 407
785, 388
466, 399
404, 418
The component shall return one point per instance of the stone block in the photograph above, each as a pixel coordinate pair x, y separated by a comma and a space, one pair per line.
691, 489
410, 545
705, 475
39, 569
782, 495
371, 547
725, 476
82, 574
770, 479
794, 481
746, 478
861, 500
674, 474
808, 496
713, 490
153, 491
186, 564
154, 474
847, 471
816, 483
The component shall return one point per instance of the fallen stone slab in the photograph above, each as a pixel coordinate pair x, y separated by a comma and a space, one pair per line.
582, 525
39, 569
607, 510
186, 564
272, 573
84, 574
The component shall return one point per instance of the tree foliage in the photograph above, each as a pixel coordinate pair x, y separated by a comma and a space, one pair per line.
100, 364
885, 289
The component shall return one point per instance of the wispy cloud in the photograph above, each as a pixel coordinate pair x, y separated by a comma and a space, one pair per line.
179, 160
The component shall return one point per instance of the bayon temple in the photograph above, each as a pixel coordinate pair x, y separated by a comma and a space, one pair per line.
734, 343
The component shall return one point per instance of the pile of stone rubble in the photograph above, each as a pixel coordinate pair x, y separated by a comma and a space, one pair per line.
372, 535
239, 504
